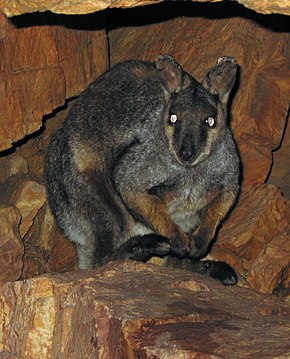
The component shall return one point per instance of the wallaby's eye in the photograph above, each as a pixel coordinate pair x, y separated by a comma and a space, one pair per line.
173, 119
210, 121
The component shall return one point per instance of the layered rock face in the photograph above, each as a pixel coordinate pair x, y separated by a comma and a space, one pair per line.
156, 312
17, 7
44, 60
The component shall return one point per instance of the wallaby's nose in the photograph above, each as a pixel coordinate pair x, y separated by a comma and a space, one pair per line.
187, 150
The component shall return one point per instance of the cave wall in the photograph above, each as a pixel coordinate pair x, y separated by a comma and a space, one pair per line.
17, 7
45, 59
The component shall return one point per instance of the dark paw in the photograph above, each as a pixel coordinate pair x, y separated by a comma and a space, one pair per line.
220, 271
142, 248
179, 248
198, 248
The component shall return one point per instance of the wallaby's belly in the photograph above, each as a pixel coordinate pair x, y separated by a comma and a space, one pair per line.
183, 205
184, 208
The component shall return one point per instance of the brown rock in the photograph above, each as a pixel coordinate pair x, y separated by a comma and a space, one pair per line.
11, 246
155, 313
27, 195
267, 270
42, 65
280, 173
17, 7
268, 7
255, 239
46, 248
12, 165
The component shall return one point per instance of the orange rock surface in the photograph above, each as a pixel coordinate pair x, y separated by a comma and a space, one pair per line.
11, 245
16, 7
280, 173
255, 239
155, 313
42, 64
59, 61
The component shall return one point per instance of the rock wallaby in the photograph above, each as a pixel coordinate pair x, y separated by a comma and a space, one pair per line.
145, 164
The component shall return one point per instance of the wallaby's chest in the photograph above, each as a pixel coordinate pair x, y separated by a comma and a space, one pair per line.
185, 202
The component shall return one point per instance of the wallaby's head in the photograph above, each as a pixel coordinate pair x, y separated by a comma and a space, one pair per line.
197, 113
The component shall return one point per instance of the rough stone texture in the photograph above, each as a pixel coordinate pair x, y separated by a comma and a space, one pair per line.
11, 166
255, 240
268, 7
27, 196
280, 173
21, 198
42, 64
17, 7
11, 246
46, 248
155, 313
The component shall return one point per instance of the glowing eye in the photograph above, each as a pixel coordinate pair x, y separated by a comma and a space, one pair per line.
210, 121
173, 119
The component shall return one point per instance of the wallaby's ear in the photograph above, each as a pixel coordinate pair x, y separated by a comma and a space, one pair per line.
173, 77
221, 78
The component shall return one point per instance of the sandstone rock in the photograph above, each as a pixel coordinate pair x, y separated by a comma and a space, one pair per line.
16, 7
280, 173
12, 165
155, 313
46, 248
11, 246
260, 107
268, 269
47, 58
42, 64
255, 239
27, 195
268, 7
63, 256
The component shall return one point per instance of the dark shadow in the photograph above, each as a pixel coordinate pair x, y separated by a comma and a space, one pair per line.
164, 11
35, 134
88, 22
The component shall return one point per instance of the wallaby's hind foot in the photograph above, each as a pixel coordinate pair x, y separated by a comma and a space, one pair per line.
142, 248
218, 270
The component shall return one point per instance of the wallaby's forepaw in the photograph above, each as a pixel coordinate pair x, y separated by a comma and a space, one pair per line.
142, 248
179, 247
198, 247
218, 270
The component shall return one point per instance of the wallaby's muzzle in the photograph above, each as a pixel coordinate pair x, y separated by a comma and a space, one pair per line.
187, 149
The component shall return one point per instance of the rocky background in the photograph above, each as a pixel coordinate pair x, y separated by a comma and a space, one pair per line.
46, 60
